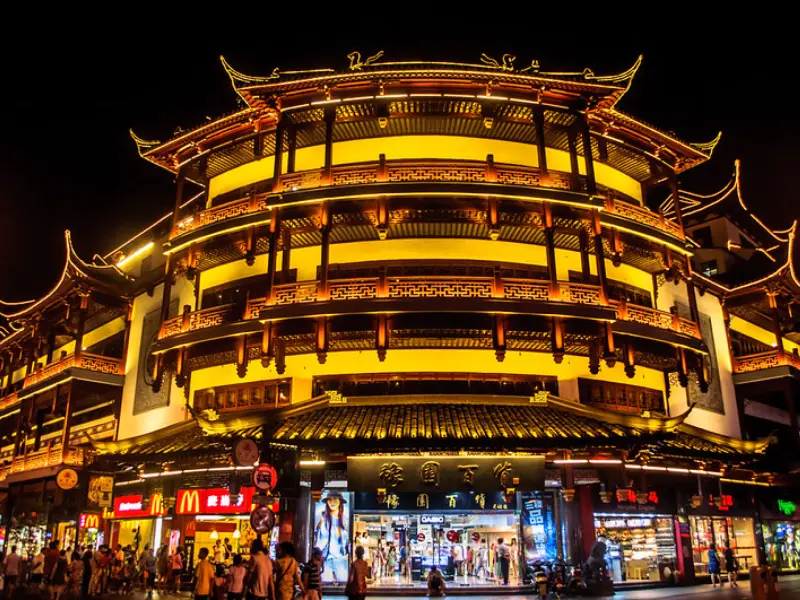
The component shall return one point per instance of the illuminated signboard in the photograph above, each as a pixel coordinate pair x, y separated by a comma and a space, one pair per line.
787, 507
89, 521
215, 501
132, 507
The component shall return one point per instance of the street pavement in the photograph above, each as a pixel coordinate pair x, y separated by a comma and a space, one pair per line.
789, 590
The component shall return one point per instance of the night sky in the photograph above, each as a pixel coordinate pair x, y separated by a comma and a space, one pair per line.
74, 85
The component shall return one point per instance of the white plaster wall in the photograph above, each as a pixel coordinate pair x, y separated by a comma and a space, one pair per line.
156, 418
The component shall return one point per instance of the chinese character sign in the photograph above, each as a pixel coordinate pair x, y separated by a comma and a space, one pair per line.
331, 520
445, 473
213, 501
539, 527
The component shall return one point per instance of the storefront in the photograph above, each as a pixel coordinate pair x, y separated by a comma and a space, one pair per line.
138, 521
727, 521
638, 529
398, 511
780, 526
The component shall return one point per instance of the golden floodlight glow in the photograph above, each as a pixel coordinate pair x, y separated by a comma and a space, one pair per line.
135, 254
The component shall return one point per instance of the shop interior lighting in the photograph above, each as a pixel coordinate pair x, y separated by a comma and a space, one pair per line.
187, 471
237, 534
214, 535
313, 463
570, 461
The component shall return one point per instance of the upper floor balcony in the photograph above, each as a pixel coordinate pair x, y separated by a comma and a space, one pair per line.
91, 364
462, 178
760, 361
430, 294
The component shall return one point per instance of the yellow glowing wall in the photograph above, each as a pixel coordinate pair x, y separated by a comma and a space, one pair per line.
419, 147
303, 367
760, 334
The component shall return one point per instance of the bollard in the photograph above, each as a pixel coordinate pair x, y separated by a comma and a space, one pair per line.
757, 583
773, 592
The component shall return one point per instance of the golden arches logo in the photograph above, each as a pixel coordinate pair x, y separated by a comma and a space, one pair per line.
190, 502
91, 522
157, 504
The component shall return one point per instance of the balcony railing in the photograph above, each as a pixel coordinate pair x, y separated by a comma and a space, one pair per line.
401, 171
90, 362
764, 360
308, 292
9, 400
46, 457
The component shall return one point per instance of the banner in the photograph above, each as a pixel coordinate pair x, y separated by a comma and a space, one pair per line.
539, 527
331, 536
445, 473
435, 501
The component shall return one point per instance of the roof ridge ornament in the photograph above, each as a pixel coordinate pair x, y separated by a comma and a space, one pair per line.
532, 68
507, 62
143, 145
356, 64
709, 146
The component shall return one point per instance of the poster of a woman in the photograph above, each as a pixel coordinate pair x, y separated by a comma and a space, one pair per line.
331, 536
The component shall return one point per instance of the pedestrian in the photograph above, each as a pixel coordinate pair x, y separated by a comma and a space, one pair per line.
147, 564
436, 585
50, 560
713, 566
504, 558
87, 573
356, 588
219, 557
731, 567
403, 560
97, 574
11, 565
128, 574
391, 560
177, 568
162, 567
236, 579
204, 576
261, 583
287, 572
58, 578
37, 570
75, 574
312, 576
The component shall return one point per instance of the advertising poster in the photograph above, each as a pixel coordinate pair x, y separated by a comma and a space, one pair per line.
331, 535
539, 527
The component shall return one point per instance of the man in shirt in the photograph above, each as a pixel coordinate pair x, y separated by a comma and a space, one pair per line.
50, 560
504, 556
204, 576
12, 571
37, 570
261, 572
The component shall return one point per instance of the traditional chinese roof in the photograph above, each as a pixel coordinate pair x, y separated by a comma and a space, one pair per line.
693, 441
266, 96
76, 273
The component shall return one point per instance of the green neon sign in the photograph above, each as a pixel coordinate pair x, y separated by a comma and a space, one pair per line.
787, 507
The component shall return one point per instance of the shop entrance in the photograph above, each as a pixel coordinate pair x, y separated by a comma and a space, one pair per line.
737, 533
640, 547
401, 549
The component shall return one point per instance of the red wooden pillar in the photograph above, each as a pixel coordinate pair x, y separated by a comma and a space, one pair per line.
272, 260
586, 139
554, 292
673, 184
586, 533
324, 262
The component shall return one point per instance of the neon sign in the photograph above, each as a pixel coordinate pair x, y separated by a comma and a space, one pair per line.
132, 507
213, 501
787, 507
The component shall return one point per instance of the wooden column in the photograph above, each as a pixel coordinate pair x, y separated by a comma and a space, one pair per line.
167, 290
272, 260
599, 254
51, 343
127, 339
572, 143
690, 292
292, 149
85, 303
330, 118
277, 168
176, 212
324, 261
554, 292
586, 140
322, 340
242, 357
267, 344
67, 418
557, 339
538, 122
583, 240
499, 335
286, 253
629, 359
382, 336
258, 140
673, 185
776, 323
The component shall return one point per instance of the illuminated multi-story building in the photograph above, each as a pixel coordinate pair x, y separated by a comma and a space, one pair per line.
450, 303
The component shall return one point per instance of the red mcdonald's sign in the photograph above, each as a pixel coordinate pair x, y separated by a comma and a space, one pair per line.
132, 507
213, 501
89, 521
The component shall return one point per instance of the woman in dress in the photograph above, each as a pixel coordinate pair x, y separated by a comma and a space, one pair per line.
356, 588
713, 566
391, 560
75, 574
514, 560
731, 567
58, 578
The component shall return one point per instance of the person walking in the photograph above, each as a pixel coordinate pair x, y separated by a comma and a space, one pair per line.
204, 576
86, 577
356, 588
75, 574
162, 568
261, 582
504, 558
58, 578
37, 571
177, 568
236, 579
731, 567
50, 560
11, 567
147, 564
312, 576
287, 573
713, 566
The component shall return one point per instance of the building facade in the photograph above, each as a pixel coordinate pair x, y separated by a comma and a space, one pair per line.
449, 303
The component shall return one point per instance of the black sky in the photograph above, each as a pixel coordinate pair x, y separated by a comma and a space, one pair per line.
74, 84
